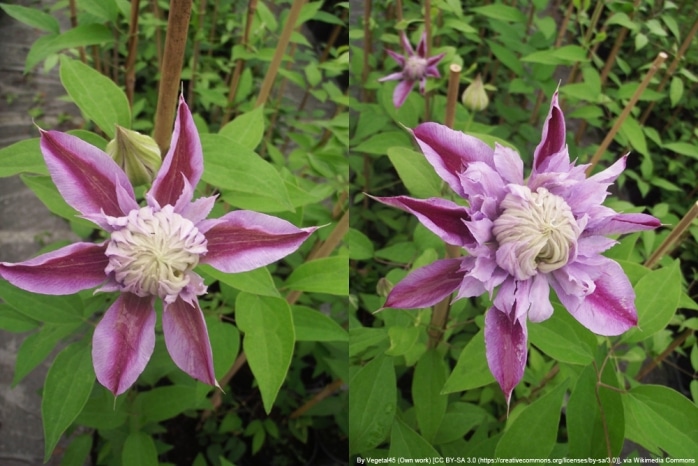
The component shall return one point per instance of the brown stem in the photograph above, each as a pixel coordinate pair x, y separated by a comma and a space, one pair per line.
626, 111
670, 349
132, 51
284, 39
563, 26
74, 23
175, 46
195, 51
452, 94
319, 396
675, 234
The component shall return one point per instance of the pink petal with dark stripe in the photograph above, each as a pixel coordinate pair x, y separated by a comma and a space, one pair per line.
123, 342
86, 177
61, 272
243, 240
553, 138
505, 347
427, 285
402, 90
186, 338
184, 158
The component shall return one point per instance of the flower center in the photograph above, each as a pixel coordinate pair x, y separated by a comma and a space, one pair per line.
154, 252
415, 68
535, 232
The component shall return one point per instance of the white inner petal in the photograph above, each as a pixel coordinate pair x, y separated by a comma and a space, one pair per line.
536, 232
415, 68
154, 253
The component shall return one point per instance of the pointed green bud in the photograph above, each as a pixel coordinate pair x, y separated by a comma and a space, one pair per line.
137, 154
384, 287
474, 97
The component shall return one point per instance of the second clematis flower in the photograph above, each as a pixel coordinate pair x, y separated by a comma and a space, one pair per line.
522, 237
151, 252
416, 67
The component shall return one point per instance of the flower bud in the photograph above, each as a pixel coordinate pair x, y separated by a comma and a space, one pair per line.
474, 96
384, 287
137, 154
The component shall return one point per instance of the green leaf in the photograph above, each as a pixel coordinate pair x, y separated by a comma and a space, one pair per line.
563, 338
657, 297
460, 418
167, 402
269, 341
68, 385
14, 321
429, 404
312, 325
418, 176
22, 157
471, 370
588, 423
253, 182
100, 412
225, 344
77, 452
372, 404
564, 55
501, 12
37, 346
41, 307
97, 96
632, 131
360, 246
542, 417
139, 450
381, 142
80, 36
32, 17
659, 417
506, 56
675, 90
258, 281
46, 191
326, 275
246, 129
683, 148
406, 443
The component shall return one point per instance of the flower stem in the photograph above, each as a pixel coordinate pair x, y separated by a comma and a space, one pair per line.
669, 241
175, 46
284, 39
132, 51
321, 395
670, 349
452, 96
196, 51
626, 111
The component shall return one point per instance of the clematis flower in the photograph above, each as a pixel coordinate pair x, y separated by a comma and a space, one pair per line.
416, 66
151, 252
522, 237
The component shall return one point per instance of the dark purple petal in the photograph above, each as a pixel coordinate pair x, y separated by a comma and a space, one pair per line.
87, 178
184, 159
123, 342
610, 308
398, 58
553, 138
427, 285
422, 45
450, 152
432, 62
402, 90
65, 271
244, 240
187, 340
505, 346
406, 46
443, 218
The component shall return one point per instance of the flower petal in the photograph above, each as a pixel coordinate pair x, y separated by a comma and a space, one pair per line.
508, 164
123, 342
539, 296
402, 90
553, 138
64, 271
398, 58
243, 240
391, 77
450, 152
406, 46
87, 178
444, 218
184, 158
505, 347
427, 285
610, 308
186, 338
623, 223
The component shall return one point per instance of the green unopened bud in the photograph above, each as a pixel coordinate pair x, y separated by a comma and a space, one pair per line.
384, 287
474, 96
137, 154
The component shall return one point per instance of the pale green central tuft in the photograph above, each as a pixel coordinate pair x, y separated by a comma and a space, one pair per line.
535, 232
153, 253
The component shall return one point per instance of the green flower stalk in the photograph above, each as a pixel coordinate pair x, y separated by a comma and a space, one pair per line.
137, 154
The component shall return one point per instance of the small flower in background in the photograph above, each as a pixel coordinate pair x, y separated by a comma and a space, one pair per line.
137, 154
474, 96
416, 66
151, 252
522, 236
